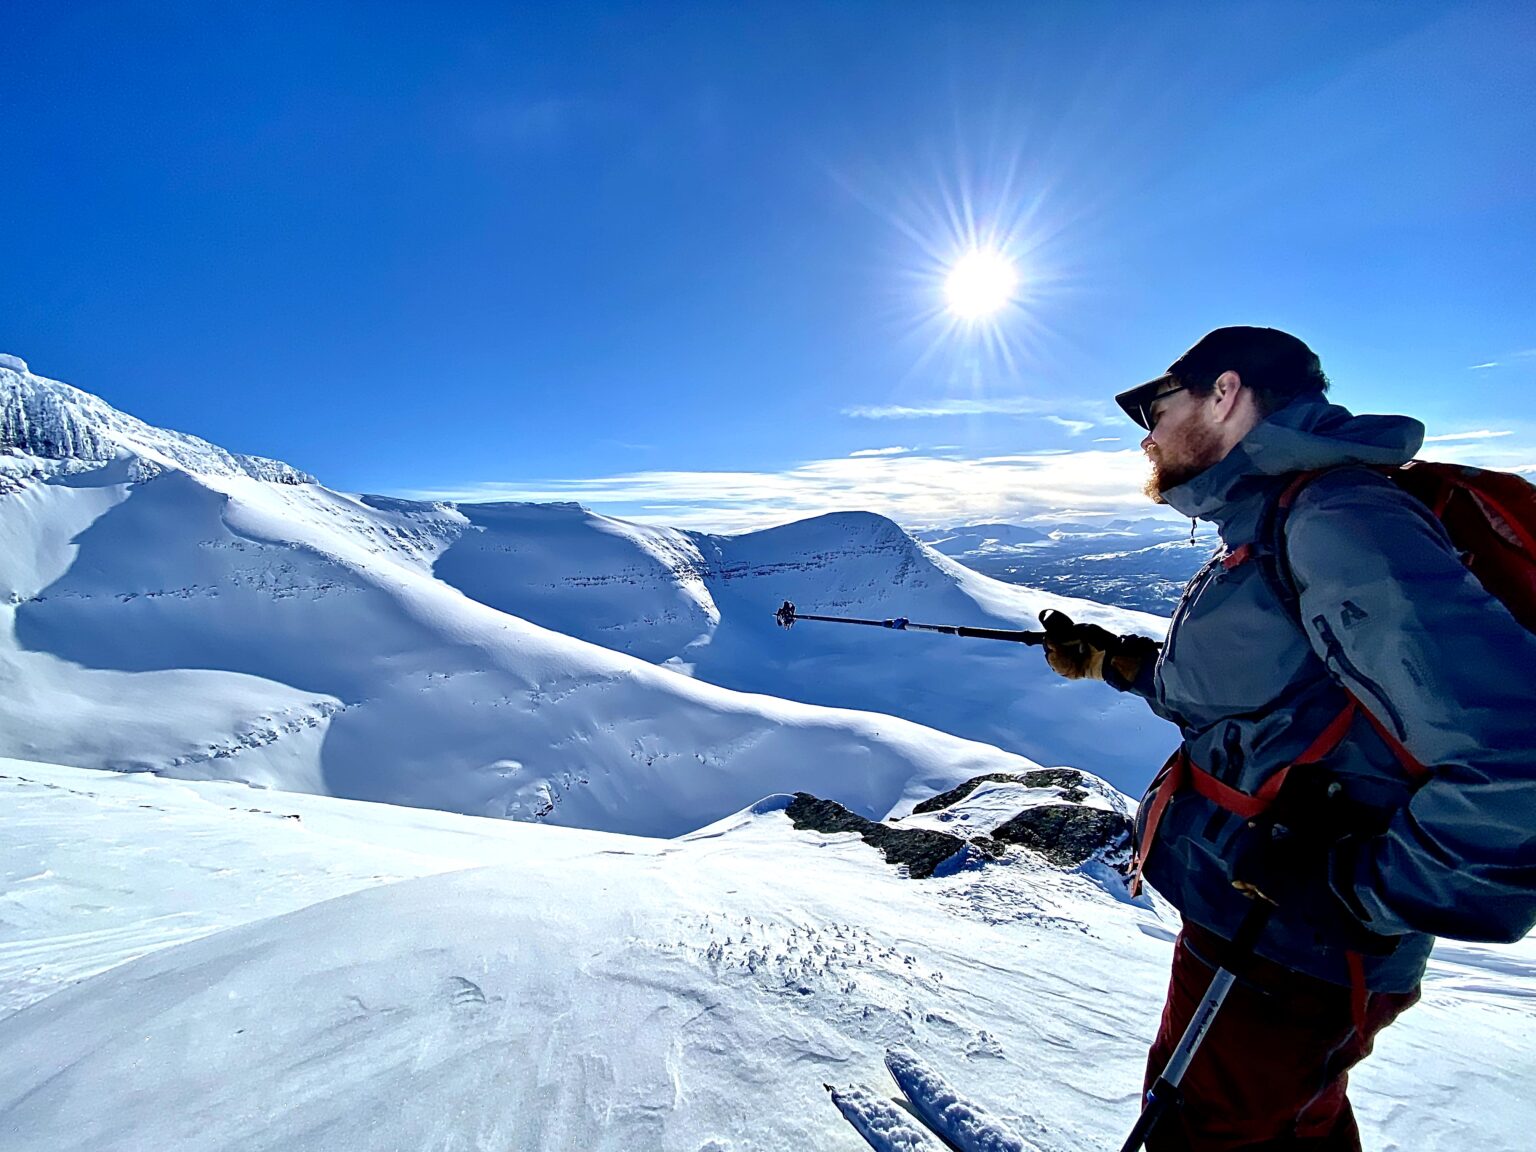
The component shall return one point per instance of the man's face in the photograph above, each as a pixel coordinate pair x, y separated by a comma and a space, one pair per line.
1182, 443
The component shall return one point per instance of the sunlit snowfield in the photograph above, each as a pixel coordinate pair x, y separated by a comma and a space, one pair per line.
328, 974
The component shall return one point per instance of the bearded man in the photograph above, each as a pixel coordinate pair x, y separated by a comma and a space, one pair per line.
1358, 746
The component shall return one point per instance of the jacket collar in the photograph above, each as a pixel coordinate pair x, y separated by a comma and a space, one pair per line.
1307, 434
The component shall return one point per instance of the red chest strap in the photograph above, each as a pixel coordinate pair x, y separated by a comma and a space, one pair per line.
1180, 772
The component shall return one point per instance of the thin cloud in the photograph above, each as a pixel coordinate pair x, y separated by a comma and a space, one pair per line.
1475, 367
914, 490
880, 452
1073, 427
1480, 434
1106, 439
1002, 406
1484, 450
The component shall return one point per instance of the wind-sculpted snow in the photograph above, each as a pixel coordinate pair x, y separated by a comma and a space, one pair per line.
581, 990
55, 422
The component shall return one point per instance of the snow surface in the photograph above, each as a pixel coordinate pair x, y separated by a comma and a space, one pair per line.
586, 990
704, 605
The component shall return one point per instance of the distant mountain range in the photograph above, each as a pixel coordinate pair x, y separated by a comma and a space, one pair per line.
1140, 564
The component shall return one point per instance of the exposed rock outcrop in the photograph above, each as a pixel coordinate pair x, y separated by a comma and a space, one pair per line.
1062, 830
919, 850
1069, 780
1068, 835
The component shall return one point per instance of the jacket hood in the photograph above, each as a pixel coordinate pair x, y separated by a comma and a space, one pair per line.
1300, 437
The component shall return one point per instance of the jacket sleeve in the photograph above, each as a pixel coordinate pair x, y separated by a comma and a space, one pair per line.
1144, 683
1442, 664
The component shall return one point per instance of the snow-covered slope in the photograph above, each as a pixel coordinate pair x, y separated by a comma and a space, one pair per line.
599, 992
703, 605
168, 608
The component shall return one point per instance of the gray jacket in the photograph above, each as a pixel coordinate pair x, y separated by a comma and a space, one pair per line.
1391, 612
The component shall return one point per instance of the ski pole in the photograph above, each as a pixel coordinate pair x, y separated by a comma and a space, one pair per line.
1164, 1094
787, 616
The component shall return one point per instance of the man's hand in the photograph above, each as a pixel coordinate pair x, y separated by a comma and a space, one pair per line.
1085, 651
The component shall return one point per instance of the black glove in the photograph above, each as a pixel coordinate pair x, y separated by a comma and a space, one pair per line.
1088, 652
1289, 853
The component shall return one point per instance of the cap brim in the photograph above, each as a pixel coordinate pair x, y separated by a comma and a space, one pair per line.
1134, 401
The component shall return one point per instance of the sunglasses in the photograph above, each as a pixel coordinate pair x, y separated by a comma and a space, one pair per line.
1144, 409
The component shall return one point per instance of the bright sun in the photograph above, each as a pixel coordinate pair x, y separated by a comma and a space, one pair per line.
980, 283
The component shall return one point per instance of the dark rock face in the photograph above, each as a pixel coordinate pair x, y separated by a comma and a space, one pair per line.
918, 849
1067, 835
1069, 780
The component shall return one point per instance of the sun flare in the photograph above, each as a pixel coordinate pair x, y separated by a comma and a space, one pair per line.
980, 284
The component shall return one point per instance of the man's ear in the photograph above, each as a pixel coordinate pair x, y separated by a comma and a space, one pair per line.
1225, 394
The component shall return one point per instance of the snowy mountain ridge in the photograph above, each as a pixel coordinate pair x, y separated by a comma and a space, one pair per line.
74, 430
482, 658
703, 605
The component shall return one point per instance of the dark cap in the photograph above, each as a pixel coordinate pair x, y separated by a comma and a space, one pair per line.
1264, 357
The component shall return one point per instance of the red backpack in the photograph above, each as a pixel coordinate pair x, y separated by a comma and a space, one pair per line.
1490, 517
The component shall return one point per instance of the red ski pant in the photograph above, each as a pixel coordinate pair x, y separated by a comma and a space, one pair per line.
1272, 1073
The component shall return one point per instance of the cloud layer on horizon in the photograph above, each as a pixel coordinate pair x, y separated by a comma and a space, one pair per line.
916, 491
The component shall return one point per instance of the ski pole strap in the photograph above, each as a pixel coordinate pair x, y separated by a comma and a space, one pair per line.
1359, 992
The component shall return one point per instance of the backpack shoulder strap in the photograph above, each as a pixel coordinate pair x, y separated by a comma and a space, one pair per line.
1269, 542
1270, 552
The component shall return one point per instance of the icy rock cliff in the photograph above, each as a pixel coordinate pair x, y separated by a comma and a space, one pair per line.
51, 420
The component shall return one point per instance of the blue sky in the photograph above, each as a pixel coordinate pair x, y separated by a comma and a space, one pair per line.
684, 262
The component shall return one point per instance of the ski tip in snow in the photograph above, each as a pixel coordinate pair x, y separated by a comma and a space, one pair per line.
930, 1115
884, 1126
959, 1122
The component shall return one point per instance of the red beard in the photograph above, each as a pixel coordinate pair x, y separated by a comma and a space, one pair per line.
1180, 464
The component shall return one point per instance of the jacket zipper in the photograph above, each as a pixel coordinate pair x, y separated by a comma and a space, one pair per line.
1344, 666
1186, 602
